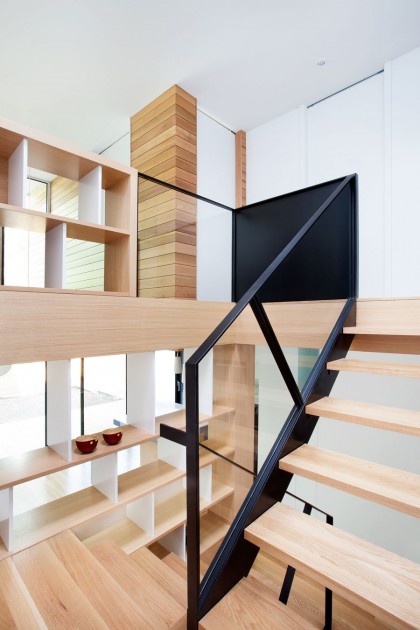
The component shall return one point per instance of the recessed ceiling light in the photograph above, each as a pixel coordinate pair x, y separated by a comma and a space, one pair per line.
321, 62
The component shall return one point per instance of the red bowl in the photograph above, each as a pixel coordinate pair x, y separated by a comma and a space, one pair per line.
112, 436
86, 443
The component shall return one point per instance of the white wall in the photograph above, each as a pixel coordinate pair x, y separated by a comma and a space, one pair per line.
404, 106
372, 128
120, 150
276, 156
346, 135
216, 181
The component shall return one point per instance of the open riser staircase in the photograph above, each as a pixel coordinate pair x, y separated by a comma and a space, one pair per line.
383, 584
62, 583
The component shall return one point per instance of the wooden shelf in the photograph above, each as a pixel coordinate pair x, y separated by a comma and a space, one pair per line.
141, 481
54, 517
45, 461
47, 520
169, 515
213, 529
95, 185
206, 457
53, 155
176, 419
136, 483
132, 436
34, 221
84, 292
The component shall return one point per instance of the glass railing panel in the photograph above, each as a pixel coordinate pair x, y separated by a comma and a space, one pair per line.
273, 403
243, 400
301, 329
191, 267
223, 488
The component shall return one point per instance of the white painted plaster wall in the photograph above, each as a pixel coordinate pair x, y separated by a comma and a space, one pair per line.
216, 181
372, 128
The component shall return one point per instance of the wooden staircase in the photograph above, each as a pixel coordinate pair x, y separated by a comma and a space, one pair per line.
62, 583
59, 584
383, 584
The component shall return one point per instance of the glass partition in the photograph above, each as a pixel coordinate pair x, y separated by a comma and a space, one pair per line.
223, 487
177, 237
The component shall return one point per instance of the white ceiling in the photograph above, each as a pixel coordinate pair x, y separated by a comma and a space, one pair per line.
80, 68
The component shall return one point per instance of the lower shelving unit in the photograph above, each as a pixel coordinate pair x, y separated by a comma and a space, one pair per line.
213, 529
169, 514
149, 504
134, 508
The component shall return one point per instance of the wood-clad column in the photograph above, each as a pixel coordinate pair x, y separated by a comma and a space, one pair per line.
164, 145
240, 158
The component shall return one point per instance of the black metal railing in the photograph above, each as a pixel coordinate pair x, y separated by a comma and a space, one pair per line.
199, 597
235, 555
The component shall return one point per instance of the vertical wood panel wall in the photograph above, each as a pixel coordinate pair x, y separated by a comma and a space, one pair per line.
240, 158
164, 145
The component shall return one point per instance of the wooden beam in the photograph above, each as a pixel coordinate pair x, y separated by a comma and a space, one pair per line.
49, 324
240, 160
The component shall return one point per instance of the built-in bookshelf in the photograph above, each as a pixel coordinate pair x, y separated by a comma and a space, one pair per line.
106, 205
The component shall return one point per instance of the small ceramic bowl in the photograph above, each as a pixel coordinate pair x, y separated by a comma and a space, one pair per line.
86, 443
112, 436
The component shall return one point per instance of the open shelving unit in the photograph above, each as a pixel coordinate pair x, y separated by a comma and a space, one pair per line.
106, 204
170, 515
148, 502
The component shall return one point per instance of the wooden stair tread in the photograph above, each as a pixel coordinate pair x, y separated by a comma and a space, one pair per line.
169, 579
162, 609
107, 597
368, 414
405, 370
382, 330
383, 583
248, 605
180, 566
307, 597
60, 601
17, 608
392, 487
176, 564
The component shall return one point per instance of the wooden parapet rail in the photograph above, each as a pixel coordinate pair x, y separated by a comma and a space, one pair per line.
48, 325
